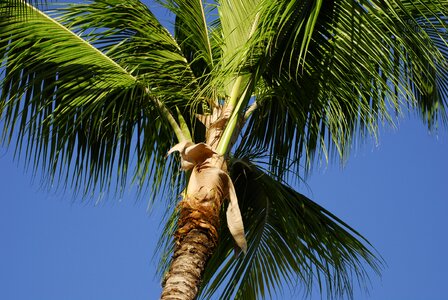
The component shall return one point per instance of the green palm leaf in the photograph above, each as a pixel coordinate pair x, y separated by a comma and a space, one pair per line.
79, 112
291, 239
192, 33
129, 33
103, 81
363, 60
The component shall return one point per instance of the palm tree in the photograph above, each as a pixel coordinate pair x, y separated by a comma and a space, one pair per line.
250, 93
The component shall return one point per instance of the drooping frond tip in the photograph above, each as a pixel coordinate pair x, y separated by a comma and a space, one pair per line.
291, 240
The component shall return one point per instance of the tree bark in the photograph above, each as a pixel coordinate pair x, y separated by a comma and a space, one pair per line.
197, 230
197, 233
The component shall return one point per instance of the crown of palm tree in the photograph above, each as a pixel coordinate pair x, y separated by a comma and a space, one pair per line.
91, 90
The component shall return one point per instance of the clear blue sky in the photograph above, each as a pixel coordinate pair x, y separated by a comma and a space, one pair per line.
394, 193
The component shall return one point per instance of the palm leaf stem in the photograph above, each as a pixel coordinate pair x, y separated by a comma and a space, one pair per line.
225, 141
183, 126
234, 96
169, 117
238, 100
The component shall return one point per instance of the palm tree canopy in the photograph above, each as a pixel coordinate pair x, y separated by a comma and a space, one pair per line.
89, 89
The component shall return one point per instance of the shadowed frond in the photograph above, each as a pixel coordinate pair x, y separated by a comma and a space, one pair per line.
291, 240
81, 113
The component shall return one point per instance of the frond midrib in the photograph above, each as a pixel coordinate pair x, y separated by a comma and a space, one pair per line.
80, 39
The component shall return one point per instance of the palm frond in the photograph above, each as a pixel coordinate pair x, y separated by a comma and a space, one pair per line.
291, 240
428, 20
20, 6
249, 30
130, 34
79, 113
191, 31
238, 19
363, 61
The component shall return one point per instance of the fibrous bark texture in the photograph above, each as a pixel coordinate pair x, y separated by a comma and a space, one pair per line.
196, 236
199, 211
190, 256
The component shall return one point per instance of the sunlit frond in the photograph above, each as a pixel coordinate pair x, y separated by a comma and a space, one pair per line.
136, 40
78, 112
21, 5
238, 20
130, 34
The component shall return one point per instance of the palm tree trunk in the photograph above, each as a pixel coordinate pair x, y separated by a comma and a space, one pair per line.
197, 233
197, 230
